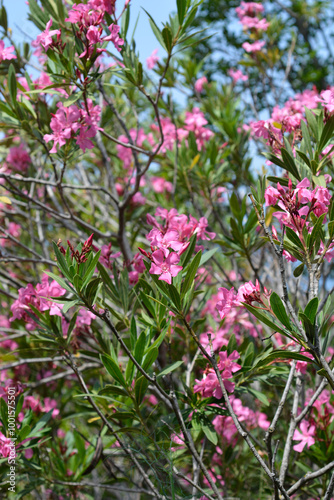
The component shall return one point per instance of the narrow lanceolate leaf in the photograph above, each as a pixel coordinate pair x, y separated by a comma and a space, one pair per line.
278, 354
169, 369
12, 85
289, 164
279, 310
327, 134
311, 309
293, 237
141, 386
299, 270
191, 273
181, 9
316, 231
140, 347
113, 369
267, 321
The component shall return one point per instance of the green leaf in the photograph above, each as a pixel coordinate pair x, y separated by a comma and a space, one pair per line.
191, 273
62, 264
262, 317
299, 270
289, 164
279, 310
141, 386
41, 423
133, 333
181, 10
306, 138
68, 305
312, 122
140, 347
169, 369
113, 369
185, 257
311, 309
112, 390
280, 354
209, 431
91, 269
168, 38
327, 134
316, 231
156, 31
294, 237
150, 357
232, 344
175, 297
304, 158
61, 282
259, 395
207, 256
12, 86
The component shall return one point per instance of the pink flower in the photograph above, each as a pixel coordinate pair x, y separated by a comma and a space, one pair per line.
327, 99
253, 47
45, 38
199, 84
305, 437
271, 196
160, 185
114, 37
237, 75
6, 53
254, 23
18, 158
247, 291
166, 268
228, 301
226, 363
249, 8
152, 60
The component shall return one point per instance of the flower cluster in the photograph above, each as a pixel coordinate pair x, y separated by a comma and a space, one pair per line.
286, 119
248, 14
237, 75
199, 84
247, 293
68, 121
40, 298
152, 60
81, 256
6, 53
170, 239
194, 122
224, 425
45, 38
89, 18
209, 386
18, 158
297, 204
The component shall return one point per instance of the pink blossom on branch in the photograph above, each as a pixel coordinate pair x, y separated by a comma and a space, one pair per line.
6, 53
167, 268
18, 158
209, 385
237, 75
254, 47
305, 437
199, 84
152, 60
45, 38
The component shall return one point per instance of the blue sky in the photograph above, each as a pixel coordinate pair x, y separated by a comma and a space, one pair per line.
17, 11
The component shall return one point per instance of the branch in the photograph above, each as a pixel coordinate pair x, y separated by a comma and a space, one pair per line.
311, 475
